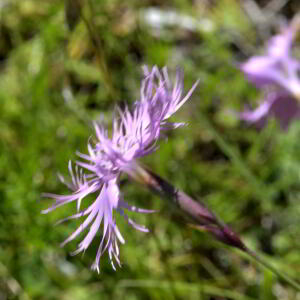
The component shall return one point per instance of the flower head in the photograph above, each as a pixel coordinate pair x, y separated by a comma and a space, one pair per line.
134, 134
277, 73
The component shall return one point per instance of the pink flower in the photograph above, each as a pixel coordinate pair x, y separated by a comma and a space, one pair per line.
134, 134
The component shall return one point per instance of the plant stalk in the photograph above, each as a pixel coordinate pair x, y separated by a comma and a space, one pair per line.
201, 215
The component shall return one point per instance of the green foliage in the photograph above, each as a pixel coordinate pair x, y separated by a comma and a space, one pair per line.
57, 75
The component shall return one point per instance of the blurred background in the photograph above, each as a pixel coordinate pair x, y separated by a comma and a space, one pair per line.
64, 63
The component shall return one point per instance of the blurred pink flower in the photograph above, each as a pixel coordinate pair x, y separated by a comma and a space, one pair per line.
277, 74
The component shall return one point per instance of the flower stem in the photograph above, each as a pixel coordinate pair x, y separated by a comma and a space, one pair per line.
201, 215
270, 267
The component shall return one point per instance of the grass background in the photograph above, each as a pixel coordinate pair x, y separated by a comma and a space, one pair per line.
61, 66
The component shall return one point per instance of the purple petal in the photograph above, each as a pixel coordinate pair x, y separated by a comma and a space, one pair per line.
281, 105
259, 113
279, 46
285, 109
